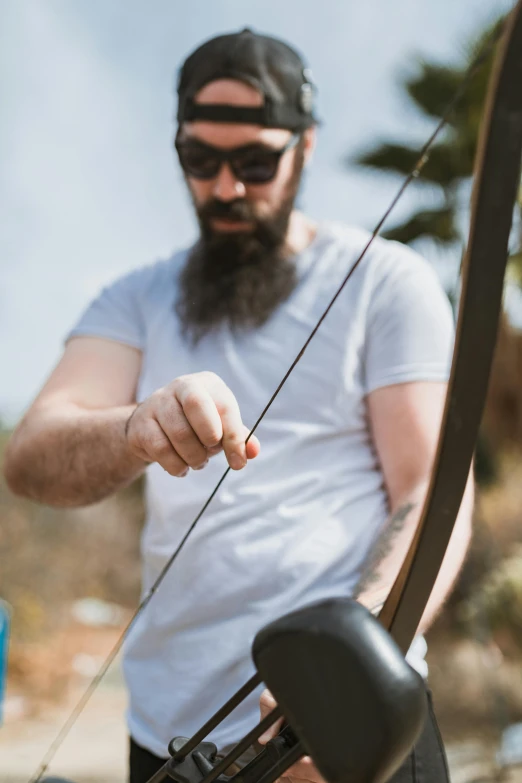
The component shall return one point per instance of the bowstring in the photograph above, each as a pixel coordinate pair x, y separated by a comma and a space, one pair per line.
423, 158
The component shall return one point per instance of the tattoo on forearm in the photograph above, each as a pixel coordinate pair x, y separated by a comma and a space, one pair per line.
370, 574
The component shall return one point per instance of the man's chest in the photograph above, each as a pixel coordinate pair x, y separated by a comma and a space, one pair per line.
324, 390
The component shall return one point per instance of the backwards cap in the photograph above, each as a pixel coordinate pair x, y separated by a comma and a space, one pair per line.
269, 65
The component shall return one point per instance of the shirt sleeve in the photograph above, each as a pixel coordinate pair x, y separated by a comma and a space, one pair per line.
114, 314
410, 327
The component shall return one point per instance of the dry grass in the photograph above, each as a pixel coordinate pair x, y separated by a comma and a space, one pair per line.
50, 558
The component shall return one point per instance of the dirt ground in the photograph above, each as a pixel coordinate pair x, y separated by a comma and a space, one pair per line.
96, 749
94, 752
46, 684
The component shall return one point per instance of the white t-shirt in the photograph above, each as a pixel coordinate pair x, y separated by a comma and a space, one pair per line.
297, 523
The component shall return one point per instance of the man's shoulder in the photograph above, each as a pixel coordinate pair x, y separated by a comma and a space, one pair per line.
357, 239
382, 260
153, 279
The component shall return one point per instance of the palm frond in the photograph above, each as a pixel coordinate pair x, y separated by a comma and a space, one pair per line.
433, 87
447, 165
435, 224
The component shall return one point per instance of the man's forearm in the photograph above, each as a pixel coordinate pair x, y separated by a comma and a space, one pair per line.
73, 457
389, 552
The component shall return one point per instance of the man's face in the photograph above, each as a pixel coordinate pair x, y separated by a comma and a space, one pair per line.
240, 270
260, 202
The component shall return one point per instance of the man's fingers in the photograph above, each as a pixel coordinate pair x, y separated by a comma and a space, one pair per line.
291, 778
158, 448
200, 408
266, 704
270, 733
253, 447
234, 431
213, 413
199, 416
234, 435
184, 440
303, 771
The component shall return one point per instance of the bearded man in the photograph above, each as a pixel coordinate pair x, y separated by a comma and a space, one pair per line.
171, 365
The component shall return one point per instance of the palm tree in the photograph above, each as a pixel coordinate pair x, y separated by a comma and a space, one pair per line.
450, 164
446, 173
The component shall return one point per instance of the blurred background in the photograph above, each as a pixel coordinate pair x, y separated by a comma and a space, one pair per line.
90, 189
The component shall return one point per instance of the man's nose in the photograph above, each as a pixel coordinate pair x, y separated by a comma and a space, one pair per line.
226, 186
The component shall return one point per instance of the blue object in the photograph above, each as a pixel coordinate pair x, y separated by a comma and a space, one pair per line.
510, 752
5, 617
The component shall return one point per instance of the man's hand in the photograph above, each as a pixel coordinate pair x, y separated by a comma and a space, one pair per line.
188, 421
303, 770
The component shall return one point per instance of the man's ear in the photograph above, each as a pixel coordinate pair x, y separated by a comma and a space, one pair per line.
310, 140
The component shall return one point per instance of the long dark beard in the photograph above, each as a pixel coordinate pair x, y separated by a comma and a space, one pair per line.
238, 279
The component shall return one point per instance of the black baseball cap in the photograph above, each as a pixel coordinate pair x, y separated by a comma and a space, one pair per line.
269, 65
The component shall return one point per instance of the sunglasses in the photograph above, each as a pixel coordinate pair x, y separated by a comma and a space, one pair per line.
253, 164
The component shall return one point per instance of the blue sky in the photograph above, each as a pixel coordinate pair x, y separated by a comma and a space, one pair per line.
89, 186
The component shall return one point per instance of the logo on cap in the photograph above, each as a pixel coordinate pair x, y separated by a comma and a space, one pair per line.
306, 98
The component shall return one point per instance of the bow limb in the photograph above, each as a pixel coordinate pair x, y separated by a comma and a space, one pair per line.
496, 182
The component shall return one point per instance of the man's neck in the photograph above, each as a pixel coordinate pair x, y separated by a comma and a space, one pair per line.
301, 233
